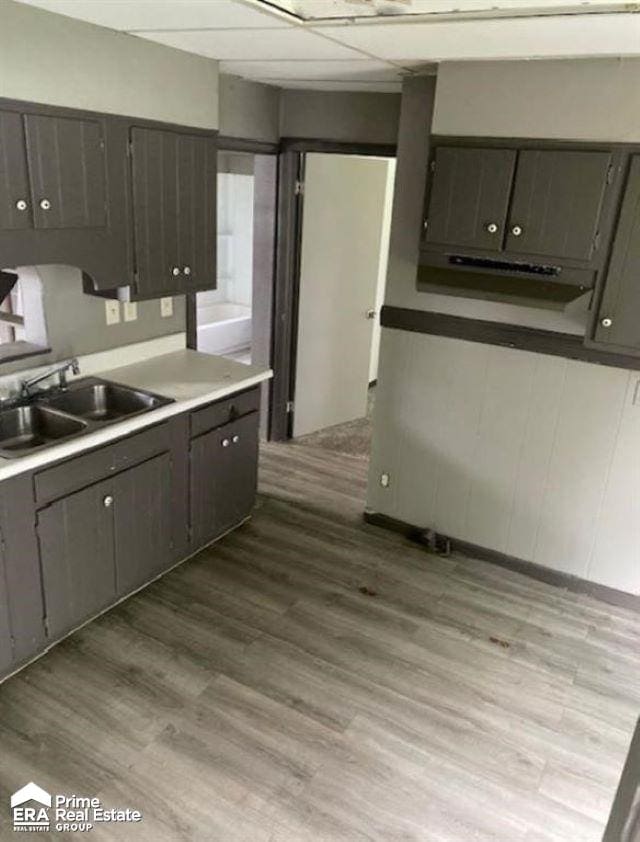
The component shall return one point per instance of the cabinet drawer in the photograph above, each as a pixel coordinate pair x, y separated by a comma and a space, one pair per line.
224, 411
80, 471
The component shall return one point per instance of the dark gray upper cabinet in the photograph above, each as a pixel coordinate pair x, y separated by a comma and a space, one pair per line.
15, 195
556, 203
224, 470
618, 316
76, 539
142, 521
469, 196
67, 171
174, 210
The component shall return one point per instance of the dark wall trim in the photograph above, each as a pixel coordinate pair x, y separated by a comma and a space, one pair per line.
245, 144
528, 568
313, 144
507, 335
624, 820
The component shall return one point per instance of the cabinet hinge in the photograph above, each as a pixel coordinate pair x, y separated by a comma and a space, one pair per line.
130, 149
432, 165
610, 174
596, 241
299, 188
290, 406
425, 225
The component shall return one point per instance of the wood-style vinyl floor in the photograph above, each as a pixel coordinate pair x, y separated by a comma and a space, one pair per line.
314, 679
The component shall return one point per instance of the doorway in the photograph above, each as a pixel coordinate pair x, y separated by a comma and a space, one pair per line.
235, 319
343, 260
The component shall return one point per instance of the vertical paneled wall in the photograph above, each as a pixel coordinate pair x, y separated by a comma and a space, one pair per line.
534, 456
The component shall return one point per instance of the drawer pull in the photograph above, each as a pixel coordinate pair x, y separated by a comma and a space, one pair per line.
235, 439
108, 501
226, 442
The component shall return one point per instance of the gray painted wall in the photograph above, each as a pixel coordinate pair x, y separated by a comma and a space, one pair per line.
61, 61
248, 109
76, 322
526, 454
344, 116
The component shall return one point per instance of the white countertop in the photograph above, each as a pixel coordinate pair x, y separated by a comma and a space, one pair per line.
190, 378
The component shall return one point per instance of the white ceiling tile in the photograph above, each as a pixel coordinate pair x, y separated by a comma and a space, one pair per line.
257, 44
577, 35
363, 70
130, 15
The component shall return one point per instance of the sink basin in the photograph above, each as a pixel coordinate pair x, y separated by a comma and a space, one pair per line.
26, 428
104, 402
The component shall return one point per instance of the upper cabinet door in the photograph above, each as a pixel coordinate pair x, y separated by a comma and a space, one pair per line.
67, 171
197, 166
469, 197
618, 321
174, 201
15, 197
556, 204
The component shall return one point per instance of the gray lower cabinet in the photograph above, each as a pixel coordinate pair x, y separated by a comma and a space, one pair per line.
104, 542
224, 473
142, 523
6, 644
76, 536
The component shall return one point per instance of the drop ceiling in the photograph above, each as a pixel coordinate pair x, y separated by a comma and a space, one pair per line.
365, 44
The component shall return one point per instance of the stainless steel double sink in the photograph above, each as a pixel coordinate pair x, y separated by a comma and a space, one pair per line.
55, 416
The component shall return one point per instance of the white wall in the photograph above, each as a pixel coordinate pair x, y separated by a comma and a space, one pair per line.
382, 269
54, 59
530, 455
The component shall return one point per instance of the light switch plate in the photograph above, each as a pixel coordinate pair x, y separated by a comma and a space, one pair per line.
130, 311
112, 312
166, 307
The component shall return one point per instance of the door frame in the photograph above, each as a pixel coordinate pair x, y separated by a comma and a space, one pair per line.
292, 156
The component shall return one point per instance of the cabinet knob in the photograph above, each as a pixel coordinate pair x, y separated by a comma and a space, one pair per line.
21, 205
516, 230
187, 270
606, 322
235, 439
492, 227
226, 442
175, 271
45, 204
371, 314
108, 501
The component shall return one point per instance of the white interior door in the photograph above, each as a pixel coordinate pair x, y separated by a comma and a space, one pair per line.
342, 241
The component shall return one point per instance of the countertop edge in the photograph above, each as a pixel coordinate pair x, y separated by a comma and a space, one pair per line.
22, 464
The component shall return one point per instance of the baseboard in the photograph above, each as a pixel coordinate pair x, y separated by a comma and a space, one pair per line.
567, 581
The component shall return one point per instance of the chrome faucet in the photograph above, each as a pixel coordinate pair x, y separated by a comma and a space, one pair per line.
61, 370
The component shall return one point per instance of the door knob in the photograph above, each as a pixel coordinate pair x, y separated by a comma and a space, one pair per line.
235, 439
371, 314
606, 322
45, 204
516, 230
226, 442
175, 271
187, 270
108, 501
21, 205
492, 228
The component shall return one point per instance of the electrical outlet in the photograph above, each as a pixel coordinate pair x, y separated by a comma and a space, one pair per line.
384, 480
166, 307
130, 311
112, 312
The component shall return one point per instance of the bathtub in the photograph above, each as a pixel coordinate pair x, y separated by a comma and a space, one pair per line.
224, 327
